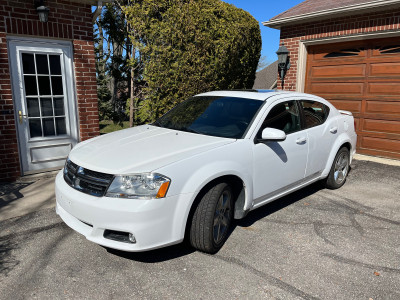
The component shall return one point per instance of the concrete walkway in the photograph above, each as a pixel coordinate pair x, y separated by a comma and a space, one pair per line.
28, 194
36, 192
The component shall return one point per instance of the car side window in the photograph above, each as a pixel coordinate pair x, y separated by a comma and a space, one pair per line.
283, 116
315, 113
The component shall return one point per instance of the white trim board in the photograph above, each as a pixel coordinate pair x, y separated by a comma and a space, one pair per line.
362, 8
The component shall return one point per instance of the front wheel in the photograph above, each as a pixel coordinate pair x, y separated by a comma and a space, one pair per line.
212, 219
339, 170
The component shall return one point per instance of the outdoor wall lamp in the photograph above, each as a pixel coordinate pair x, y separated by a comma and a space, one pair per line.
283, 62
42, 11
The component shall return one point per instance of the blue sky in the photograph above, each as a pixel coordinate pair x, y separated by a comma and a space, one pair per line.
263, 10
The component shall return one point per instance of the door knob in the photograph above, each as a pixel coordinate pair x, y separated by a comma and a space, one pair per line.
21, 116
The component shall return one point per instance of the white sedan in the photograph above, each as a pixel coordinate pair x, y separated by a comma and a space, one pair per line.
212, 158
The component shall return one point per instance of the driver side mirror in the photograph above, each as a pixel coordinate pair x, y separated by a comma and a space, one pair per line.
272, 134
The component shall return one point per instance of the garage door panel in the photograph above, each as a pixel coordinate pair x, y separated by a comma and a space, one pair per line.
353, 106
347, 71
383, 126
383, 107
355, 89
362, 77
384, 89
380, 144
387, 69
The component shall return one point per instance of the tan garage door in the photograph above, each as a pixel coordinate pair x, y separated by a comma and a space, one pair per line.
364, 78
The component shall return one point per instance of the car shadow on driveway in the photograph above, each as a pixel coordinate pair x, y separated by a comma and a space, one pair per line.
157, 255
183, 249
274, 206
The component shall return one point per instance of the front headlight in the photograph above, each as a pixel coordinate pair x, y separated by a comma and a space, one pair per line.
145, 185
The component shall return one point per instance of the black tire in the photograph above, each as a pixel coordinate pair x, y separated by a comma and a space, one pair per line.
339, 170
212, 219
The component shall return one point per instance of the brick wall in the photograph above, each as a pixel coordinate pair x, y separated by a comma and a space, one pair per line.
350, 25
67, 20
86, 88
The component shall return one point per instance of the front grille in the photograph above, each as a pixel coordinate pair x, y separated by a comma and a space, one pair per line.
87, 181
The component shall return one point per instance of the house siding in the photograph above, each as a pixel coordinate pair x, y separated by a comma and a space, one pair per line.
329, 28
68, 21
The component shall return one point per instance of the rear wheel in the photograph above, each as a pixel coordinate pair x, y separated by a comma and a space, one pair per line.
212, 219
339, 170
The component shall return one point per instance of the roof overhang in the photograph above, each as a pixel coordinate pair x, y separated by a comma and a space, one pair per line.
370, 6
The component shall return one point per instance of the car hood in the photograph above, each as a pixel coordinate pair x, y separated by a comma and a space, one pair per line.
141, 149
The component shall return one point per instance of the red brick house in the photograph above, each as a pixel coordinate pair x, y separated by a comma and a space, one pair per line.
348, 51
48, 91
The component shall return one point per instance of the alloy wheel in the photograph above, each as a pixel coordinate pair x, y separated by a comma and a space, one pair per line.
222, 217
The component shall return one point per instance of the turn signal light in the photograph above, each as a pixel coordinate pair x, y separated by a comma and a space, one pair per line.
163, 190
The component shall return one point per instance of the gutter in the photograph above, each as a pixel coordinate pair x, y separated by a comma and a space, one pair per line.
371, 6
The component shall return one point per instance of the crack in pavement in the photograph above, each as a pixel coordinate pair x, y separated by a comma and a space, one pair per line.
354, 203
272, 280
318, 229
353, 262
351, 210
312, 223
356, 225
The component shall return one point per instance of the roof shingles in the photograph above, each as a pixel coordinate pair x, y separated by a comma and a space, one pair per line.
313, 6
266, 78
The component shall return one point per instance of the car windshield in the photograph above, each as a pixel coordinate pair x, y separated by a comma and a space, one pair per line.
227, 117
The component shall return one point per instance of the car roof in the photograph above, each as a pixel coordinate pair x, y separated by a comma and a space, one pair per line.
254, 94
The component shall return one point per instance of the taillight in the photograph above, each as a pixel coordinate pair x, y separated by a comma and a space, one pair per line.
354, 124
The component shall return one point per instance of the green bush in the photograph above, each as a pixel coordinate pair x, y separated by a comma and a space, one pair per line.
189, 47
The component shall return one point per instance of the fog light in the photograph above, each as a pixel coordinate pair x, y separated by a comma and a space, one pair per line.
132, 238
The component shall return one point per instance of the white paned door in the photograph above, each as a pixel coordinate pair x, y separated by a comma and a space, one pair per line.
44, 99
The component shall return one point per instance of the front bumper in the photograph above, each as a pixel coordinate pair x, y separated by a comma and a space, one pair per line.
154, 223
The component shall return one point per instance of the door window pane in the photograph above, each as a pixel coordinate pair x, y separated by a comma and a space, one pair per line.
315, 113
283, 116
59, 106
30, 85
44, 85
28, 63
55, 66
48, 127
33, 107
47, 107
57, 86
42, 66
37, 69
35, 128
60, 126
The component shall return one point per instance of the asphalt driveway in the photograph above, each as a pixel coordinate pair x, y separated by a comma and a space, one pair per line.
313, 244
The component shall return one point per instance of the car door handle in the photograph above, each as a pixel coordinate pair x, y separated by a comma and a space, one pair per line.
333, 130
301, 140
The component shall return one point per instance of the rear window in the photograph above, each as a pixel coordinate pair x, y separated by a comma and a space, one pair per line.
315, 113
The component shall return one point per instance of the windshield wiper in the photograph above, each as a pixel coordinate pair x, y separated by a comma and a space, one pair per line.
157, 123
187, 129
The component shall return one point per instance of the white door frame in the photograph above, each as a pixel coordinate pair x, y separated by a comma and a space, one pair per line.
15, 45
